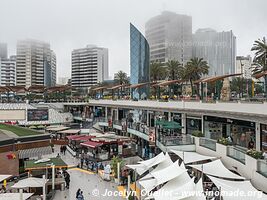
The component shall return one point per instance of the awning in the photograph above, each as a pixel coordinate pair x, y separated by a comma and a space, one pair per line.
153, 161
31, 182
59, 128
15, 196
190, 157
83, 138
237, 187
92, 144
34, 164
217, 168
34, 152
4, 177
165, 163
70, 131
72, 137
162, 176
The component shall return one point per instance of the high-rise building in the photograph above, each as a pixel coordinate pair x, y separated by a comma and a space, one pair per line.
89, 66
8, 71
170, 37
36, 63
139, 60
3, 50
217, 48
243, 65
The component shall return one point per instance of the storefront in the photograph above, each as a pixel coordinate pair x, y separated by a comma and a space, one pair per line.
242, 132
176, 117
193, 124
264, 137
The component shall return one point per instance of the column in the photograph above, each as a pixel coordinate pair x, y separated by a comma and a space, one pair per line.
258, 136
184, 123
106, 113
147, 118
202, 124
169, 116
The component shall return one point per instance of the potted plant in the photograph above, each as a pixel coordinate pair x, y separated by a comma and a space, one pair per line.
197, 134
114, 164
254, 153
223, 141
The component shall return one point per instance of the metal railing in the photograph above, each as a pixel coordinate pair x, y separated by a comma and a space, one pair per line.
208, 143
262, 167
237, 154
176, 140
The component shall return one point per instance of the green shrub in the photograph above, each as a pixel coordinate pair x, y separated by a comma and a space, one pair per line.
114, 164
255, 154
223, 141
198, 134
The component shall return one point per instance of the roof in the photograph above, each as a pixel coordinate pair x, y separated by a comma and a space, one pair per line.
168, 124
70, 131
31, 165
92, 144
72, 137
83, 138
15, 196
4, 176
31, 182
215, 78
59, 128
138, 85
99, 88
34, 152
259, 75
116, 87
165, 83
190, 157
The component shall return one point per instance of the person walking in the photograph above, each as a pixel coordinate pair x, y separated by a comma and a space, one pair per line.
82, 160
67, 179
78, 193
80, 196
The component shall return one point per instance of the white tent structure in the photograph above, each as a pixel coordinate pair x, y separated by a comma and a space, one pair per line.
4, 177
165, 163
31, 182
143, 166
15, 196
162, 176
216, 168
190, 157
231, 190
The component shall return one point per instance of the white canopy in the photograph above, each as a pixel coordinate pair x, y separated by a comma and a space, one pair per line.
15, 196
190, 157
231, 190
165, 163
29, 182
143, 166
153, 161
4, 177
162, 176
216, 168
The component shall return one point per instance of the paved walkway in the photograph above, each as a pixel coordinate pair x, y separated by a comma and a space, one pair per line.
91, 184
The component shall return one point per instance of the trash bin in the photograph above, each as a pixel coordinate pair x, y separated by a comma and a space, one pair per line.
62, 186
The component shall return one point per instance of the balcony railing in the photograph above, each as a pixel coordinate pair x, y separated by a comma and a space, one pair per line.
237, 154
262, 167
176, 140
208, 143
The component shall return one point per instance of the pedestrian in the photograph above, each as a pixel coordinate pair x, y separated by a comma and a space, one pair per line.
80, 196
82, 160
78, 193
64, 149
61, 149
67, 179
87, 163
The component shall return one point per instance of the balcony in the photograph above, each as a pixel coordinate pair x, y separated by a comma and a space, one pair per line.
208, 143
237, 154
262, 167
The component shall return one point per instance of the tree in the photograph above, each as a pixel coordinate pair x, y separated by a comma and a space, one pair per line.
195, 69
260, 59
174, 69
121, 77
157, 71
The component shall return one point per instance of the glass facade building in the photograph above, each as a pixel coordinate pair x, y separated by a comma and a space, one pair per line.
139, 55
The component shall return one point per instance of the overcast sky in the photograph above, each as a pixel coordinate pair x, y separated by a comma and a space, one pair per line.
70, 24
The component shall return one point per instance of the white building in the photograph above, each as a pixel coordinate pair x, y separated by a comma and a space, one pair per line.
243, 65
217, 48
170, 37
63, 80
36, 63
8, 71
89, 66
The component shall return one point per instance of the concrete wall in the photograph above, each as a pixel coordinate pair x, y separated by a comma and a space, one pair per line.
12, 115
9, 166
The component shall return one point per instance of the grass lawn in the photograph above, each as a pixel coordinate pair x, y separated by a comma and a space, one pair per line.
19, 131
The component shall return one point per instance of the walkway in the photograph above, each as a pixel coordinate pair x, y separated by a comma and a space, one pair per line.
91, 184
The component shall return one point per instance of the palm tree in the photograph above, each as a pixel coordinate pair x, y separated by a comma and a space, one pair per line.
157, 71
174, 68
195, 69
260, 59
122, 78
